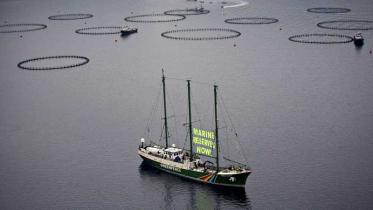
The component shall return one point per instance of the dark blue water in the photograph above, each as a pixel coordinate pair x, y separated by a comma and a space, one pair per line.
68, 138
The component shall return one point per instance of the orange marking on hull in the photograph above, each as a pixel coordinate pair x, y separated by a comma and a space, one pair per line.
206, 178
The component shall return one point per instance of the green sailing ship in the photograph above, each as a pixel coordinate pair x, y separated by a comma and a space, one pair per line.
188, 164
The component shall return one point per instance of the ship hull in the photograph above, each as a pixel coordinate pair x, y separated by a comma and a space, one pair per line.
359, 42
231, 180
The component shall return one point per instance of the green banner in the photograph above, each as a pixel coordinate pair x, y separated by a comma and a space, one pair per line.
204, 142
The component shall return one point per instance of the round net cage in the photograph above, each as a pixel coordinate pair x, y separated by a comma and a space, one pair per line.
154, 18
100, 30
187, 12
201, 34
70, 16
321, 38
251, 20
359, 25
328, 10
21, 27
53, 62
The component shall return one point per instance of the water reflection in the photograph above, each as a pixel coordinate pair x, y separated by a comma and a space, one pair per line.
358, 48
180, 192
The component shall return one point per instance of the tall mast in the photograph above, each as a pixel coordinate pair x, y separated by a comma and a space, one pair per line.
190, 123
164, 107
216, 127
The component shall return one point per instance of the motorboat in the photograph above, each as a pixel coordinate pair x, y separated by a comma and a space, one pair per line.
199, 9
358, 39
127, 30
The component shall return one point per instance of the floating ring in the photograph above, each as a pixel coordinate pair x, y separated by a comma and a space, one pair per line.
86, 30
37, 27
251, 20
186, 12
338, 25
138, 18
70, 16
299, 38
21, 65
328, 10
234, 34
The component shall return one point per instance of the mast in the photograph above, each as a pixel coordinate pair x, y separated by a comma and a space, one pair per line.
164, 107
190, 123
216, 127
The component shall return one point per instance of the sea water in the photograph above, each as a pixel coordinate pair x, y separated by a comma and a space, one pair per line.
302, 112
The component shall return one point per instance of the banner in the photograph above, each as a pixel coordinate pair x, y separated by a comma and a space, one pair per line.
204, 142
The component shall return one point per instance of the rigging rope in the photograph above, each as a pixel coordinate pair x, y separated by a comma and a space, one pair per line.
171, 116
234, 129
194, 81
152, 112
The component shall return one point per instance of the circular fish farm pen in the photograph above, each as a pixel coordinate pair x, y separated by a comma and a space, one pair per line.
359, 25
251, 20
328, 10
154, 18
70, 16
100, 30
321, 38
21, 27
201, 34
186, 12
53, 62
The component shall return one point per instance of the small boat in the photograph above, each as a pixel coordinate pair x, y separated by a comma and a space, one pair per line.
127, 30
358, 39
199, 9
188, 163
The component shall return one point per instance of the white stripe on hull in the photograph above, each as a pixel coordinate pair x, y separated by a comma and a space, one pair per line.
164, 161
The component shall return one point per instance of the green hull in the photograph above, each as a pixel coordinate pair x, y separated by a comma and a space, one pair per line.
234, 180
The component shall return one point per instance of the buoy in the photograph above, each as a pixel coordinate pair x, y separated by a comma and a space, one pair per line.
280, 29
85, 22
370, 51
116, 40
234, 45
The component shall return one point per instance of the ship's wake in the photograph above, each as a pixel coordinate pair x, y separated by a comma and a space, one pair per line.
234, 4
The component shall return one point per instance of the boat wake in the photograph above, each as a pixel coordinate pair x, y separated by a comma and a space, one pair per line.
236, 4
